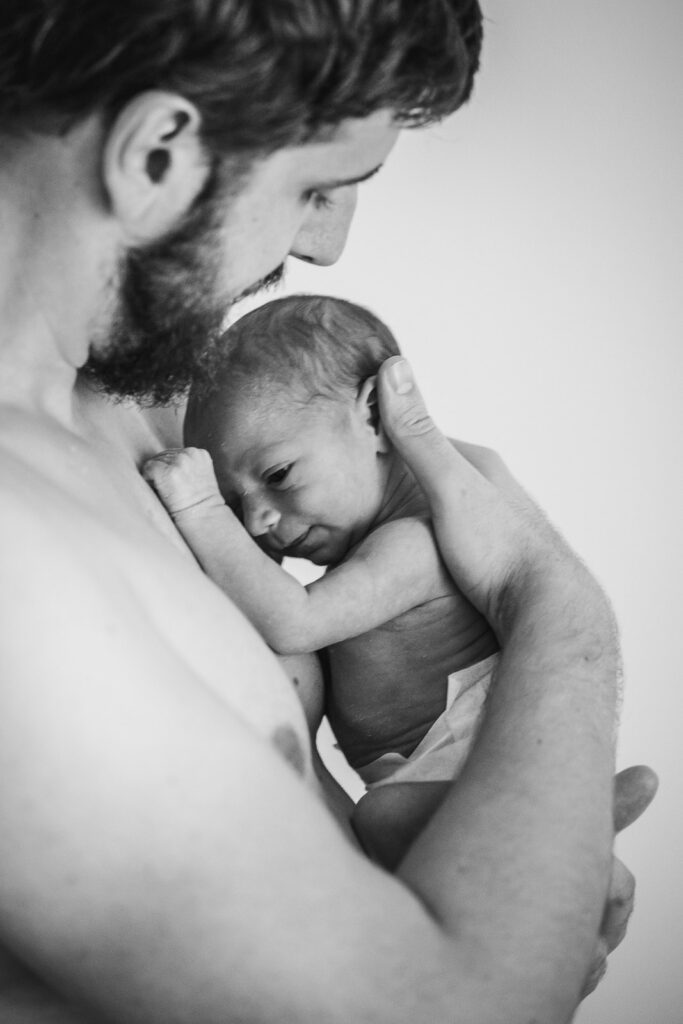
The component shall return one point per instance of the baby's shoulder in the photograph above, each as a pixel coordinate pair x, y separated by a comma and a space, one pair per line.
404, 550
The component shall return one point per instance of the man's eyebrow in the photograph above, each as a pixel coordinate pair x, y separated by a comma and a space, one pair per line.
345, 182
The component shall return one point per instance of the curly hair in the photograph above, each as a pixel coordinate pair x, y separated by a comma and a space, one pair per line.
263, 73
312, 346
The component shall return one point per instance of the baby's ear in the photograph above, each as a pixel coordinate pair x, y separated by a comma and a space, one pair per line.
369, 409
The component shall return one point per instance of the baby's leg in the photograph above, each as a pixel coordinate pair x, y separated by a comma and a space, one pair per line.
387, 819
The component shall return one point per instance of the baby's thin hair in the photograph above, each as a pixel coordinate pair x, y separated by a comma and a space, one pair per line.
315, 346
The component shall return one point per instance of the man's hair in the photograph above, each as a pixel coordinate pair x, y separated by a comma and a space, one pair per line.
311, 346
263, 73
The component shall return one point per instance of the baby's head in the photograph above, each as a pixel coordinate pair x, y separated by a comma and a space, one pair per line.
291, 423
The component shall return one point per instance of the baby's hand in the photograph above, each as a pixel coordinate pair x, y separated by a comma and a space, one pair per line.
183, 478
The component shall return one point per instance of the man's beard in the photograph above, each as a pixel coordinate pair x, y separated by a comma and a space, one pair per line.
169, 310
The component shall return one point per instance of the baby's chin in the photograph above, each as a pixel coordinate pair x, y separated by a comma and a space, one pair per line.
325, 555
322, 560
330, 554
319, 545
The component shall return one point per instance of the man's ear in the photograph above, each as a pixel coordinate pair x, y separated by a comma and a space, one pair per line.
153, 164
368, 407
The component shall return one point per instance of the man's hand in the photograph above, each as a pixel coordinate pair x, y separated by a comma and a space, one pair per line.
501, 551
184, 479
634, 790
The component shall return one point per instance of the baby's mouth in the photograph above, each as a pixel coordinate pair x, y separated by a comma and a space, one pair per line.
296, 548
278, 549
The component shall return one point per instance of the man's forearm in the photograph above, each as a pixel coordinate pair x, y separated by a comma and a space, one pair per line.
533, 805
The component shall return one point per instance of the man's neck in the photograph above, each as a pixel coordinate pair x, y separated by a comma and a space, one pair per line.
53, 248
120, 427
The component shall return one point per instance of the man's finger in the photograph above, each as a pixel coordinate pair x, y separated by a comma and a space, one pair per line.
634, 790
619, 905
409, 426
597, 968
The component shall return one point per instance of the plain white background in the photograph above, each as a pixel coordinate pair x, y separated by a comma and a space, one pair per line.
527, 254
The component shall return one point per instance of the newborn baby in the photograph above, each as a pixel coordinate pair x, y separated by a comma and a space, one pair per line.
287, 457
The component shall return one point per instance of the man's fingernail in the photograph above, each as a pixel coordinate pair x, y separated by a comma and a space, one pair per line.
401, 377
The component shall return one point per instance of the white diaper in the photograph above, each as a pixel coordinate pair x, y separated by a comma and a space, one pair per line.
442, 751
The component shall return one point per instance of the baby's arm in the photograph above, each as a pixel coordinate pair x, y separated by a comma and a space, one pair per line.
397, 567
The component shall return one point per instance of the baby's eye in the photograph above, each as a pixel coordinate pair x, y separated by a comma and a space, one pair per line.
277, 476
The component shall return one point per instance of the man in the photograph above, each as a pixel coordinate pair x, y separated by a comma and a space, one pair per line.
167, 853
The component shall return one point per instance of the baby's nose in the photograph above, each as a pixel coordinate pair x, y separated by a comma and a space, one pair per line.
259, 516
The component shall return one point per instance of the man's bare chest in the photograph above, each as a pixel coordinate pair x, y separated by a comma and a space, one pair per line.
86, 496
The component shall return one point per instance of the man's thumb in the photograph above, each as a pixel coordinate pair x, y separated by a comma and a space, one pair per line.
402, 408
408, 424
634, 790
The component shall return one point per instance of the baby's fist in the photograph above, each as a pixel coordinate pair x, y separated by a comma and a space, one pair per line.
183, 478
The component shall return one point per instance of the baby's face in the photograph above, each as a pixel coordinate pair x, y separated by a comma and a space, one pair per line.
305, 479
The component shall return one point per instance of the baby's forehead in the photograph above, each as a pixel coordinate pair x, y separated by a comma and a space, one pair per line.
264, 417
263, 400
270, 395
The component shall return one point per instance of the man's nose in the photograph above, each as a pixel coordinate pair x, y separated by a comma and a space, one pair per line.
322, 236
258, 516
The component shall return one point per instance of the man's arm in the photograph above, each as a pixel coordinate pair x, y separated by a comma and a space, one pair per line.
395, 568
541, 588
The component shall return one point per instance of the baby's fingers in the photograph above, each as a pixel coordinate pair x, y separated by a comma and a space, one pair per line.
182, 477
158, 465
154, 470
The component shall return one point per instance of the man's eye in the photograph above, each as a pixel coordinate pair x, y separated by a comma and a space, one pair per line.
277, 476
319, 199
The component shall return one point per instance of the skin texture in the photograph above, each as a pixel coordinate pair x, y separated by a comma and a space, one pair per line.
285, 468
425, 450
167, 850
321, 471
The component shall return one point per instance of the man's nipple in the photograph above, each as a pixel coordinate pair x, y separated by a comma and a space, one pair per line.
286, 741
